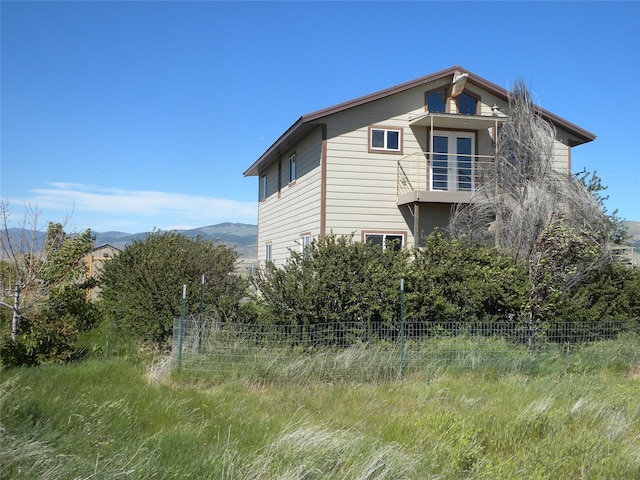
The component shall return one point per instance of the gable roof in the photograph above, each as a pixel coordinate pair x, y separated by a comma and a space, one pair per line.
307, 122
106, 245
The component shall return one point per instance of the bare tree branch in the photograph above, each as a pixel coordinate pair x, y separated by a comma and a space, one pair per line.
528, 188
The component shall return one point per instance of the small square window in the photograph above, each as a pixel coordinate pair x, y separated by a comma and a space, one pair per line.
393, 140
385, 240
385, 139
377, 138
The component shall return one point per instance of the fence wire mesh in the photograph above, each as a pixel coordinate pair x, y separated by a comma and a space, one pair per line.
369, 351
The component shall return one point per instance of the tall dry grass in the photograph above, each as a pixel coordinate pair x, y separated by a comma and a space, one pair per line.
566, 415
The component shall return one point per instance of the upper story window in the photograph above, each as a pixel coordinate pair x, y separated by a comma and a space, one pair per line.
437, 101
292, 168
263, 187
385, 240
467, 104
267, 252
385, 139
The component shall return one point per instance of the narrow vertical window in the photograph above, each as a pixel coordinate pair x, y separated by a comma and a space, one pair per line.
305, 241
267, 252
292, 168
263, 187
279, 176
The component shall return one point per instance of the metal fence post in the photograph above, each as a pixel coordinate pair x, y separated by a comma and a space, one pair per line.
200, 326
402, 333
183, 310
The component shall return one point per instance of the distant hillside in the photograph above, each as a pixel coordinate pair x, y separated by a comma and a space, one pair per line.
239, 235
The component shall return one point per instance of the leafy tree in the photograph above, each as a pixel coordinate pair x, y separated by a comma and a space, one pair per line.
618, 232
335, 280
50, 306
452, 281
562, 257
609, 293
142, 286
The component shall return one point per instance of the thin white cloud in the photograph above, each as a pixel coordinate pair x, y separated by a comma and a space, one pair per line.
98, 207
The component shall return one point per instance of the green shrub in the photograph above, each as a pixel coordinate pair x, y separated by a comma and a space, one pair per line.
335, 280
142, 287
454, 281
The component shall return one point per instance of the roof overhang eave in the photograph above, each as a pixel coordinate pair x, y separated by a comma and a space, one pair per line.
275, 149
453, 121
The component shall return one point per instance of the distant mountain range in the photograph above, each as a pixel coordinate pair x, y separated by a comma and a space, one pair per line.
244, 237
239, 235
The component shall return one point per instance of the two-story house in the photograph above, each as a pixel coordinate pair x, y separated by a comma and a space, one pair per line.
386, 166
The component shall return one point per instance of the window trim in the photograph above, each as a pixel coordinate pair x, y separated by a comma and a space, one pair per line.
385, 129
385, 233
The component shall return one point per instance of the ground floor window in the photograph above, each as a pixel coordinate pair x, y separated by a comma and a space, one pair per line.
305, 241
386, 240
267, 252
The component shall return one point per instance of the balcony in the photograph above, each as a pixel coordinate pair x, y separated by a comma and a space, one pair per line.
450, 170
435, 177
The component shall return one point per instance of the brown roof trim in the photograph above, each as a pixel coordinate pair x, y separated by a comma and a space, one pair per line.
381, 94
253, 169
296, 130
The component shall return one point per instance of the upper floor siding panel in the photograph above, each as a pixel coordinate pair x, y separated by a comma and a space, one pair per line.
293, 206
305, 157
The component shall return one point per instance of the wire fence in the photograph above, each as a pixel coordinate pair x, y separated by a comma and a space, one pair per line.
370, 351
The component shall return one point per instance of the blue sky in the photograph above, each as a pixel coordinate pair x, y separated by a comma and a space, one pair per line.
138, 115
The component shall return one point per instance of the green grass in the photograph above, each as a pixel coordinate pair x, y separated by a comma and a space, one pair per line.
571, 415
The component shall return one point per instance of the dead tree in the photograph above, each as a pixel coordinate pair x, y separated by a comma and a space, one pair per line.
522, 193
24, 252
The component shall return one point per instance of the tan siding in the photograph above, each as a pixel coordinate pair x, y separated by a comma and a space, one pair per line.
561, 152
360, 189
361, 186
296, 209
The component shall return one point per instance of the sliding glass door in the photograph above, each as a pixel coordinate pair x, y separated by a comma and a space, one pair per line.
452, 161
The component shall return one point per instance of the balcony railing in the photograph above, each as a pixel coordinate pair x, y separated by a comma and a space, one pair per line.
439, 177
